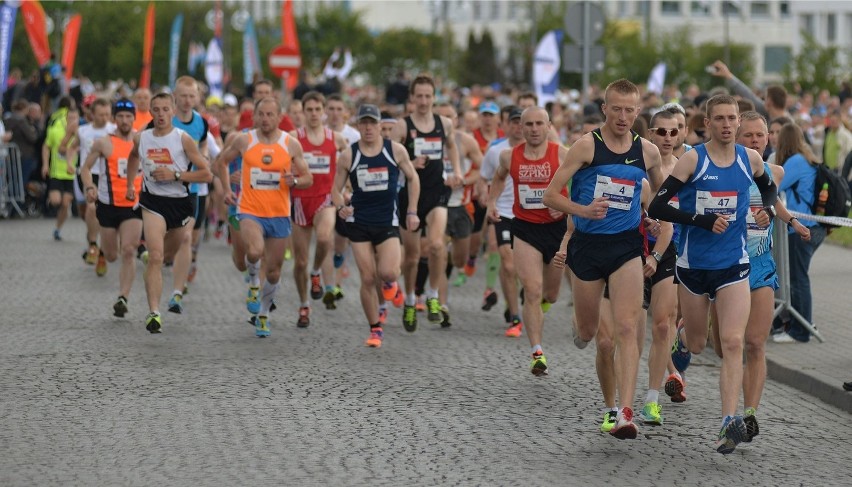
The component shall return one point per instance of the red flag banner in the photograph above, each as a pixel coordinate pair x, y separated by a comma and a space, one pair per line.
289, 36
36, 25
147, 48
69, 45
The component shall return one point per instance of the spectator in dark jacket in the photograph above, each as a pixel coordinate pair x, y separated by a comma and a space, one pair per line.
25, 135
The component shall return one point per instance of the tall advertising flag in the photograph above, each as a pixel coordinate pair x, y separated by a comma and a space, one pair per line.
174, 48
214, 67
36, 24
69, 45
289, 36
147, 48
7, 29
546, 64
251, 56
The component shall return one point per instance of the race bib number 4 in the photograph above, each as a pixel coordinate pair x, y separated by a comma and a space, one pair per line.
264, 180
373, 179
531, 196
430, 147
751, 224
619, 191
318, 163
721, 203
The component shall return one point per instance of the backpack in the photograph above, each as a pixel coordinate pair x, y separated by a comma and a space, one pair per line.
839, 195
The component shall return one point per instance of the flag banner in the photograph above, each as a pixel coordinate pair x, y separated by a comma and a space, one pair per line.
69, 45
7, 29
251, 55
290, 37
147, 48
174, 48
657, 79
213, 67
546, 64
36, 24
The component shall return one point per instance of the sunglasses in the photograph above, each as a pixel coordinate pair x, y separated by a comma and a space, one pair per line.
663, 132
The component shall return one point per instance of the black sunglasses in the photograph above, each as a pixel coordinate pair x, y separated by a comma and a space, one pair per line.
662, 132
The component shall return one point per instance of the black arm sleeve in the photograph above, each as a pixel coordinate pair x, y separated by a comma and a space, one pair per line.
662, 210
768, 190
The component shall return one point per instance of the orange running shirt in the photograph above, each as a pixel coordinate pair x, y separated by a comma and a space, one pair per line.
263, 192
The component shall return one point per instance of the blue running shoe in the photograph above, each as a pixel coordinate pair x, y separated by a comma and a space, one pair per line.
261, 327
253, 300
681, 356
732, 434
175, 304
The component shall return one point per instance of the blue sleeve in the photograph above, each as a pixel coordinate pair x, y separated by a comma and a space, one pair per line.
795, 169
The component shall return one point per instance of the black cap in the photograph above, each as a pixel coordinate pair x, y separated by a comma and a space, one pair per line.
369, 111
123, 105
515, 113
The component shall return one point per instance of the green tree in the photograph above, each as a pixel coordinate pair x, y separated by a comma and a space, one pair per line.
403, 49
815, 66
332, 27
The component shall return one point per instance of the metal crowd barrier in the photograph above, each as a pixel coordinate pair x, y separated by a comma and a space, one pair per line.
12, 191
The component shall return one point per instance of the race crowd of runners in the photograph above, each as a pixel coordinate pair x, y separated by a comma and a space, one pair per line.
643, 209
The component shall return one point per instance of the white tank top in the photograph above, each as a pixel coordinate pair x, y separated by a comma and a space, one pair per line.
87, 135
162, 151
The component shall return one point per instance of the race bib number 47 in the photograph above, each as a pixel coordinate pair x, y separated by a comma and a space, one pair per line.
721, 203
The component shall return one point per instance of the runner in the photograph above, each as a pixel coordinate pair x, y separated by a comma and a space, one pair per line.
272, 166
712, 182
537, 231
373, 166
120, 220
165, 154
142, 100
312, 208
56, 169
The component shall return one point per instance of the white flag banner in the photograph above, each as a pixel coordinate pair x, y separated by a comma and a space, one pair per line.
657, 79
214, 67
546, 65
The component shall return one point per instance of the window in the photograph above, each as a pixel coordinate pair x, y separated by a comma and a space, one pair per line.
760, 9
775, 58
670, 8
730, 8
643, 7
784, 9
477, 10
831, 28
512, 10
806, 23
495, 10
699, 8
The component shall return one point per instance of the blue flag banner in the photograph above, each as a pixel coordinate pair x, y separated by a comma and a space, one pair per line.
213, 67
251, 56
546, 64
7, 29
174, 48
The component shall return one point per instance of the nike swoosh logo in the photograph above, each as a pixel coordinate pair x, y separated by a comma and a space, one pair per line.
669, 269
630, 161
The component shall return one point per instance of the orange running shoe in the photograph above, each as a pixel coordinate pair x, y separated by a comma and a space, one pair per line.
399, 298
101, 267
470, 267
316, 287
375, 340
389, 290
383, 315
514, 331
675, 388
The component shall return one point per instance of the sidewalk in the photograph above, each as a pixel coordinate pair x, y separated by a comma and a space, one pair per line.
820, 369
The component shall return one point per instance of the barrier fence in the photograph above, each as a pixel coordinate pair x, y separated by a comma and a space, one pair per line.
12, 191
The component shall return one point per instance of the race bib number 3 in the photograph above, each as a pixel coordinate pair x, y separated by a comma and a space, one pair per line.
373, 179
721, 203
122, 168
619, 191
265, 180
430, 147
751, 224
531, 196
318, 163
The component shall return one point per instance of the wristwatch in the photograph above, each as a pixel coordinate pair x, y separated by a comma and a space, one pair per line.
657, 256
769, 211
177, 175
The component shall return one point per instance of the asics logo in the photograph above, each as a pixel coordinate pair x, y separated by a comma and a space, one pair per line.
743, 273
662, 192
630, 161
712, 178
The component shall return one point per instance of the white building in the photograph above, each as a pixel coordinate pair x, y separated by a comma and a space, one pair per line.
829, 22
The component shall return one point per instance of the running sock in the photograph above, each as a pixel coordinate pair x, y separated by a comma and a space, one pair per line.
410, 300
422, 275
493, 270
253, 269
266, 295
383, 307
306, 304
652, 396
614, 409
376, 325
315, 272
431, 293
177, 292
536, 349
329, 288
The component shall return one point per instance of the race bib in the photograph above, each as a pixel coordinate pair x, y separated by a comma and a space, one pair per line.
619, 191
318, 163
532, 196
264, 180
122, 168
721, 203
155, 158
751, 224
373, 179
430, 147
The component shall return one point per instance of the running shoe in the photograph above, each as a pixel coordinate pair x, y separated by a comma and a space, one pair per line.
91, 255
376, 336
288, 254
409, 318
625, 428
515, 330
383, 315
316, 287
153, 323
445, 317
675, 388
470, 267
261, 327
420, 304
144, 257
304, 317
750, 421
733, 433
119, 309
608, 421
434, 310
389, 290
175, 305
538, 366
101, 266
545, 305
56, 236
578, 342
460, 281
328, 300
680, 354
338, 293
651, 414
489, 299
337, 260
399, 298
253, 300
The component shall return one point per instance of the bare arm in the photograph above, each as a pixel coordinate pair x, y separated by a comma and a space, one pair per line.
300, 176
498, 183
232, 150
132, 168
97, 150
412, 184
454, 152
653, 165
577, 156
472, 152
344, 163
201, 173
